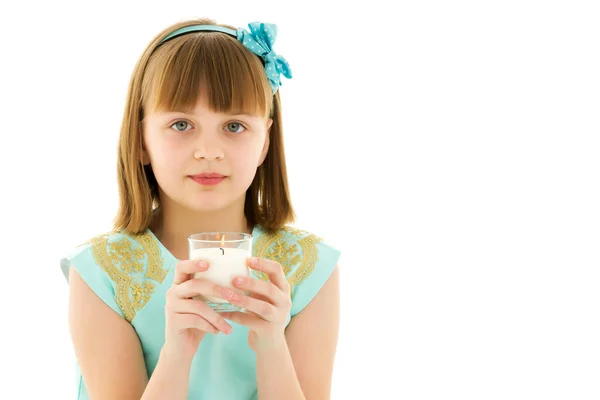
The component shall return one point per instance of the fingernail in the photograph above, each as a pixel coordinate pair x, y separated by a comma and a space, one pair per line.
230, 294
253, 261
240, 280
228, 329
202, 263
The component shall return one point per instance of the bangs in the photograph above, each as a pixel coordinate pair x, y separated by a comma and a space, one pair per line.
209, 65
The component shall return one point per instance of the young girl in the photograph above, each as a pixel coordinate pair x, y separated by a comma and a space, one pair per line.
201, 150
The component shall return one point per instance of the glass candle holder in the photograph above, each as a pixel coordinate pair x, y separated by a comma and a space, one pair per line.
227, 254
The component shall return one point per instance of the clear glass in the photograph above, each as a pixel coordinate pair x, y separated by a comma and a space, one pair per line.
227, 254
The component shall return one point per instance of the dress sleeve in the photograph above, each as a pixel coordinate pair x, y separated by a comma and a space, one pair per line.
95, 276
310, 274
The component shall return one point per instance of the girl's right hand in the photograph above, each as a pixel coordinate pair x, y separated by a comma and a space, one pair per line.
188, 320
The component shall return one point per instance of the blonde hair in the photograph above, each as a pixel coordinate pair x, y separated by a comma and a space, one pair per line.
169, 76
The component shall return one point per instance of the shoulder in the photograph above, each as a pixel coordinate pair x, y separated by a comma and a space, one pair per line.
119, 253
121, 268
306, 258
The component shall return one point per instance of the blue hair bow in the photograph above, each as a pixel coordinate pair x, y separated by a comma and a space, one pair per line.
259, 40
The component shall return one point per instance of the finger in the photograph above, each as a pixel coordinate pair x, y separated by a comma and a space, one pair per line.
247, 320
201, 309
185, 321
196, 286
273, 269
186, 268
261, 308
266, 290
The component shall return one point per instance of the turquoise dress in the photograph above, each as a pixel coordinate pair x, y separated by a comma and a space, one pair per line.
131, 273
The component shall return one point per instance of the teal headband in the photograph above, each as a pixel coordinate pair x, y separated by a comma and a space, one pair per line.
259, 40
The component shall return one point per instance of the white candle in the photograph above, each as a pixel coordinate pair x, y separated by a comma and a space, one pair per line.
223, 266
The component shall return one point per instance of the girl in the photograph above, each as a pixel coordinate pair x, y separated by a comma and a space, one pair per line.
201, 150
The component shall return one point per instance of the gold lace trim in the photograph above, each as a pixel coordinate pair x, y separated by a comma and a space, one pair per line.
124, 261
284, 247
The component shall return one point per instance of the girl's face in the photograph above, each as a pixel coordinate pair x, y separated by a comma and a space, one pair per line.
183, 145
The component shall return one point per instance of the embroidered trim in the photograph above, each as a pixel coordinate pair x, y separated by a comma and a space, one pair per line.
309, 250
284, 247
132, 263
121, 281
155, 264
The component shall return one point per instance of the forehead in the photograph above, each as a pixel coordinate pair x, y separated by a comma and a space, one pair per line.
206, 69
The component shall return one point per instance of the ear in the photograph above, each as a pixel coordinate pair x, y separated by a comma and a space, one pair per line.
265, 149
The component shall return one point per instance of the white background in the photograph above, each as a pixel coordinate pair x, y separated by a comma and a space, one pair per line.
449, 149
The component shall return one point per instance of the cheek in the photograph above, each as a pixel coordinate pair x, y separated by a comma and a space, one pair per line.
245, 161
167, 156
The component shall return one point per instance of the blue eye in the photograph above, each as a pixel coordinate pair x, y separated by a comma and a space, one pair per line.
180, 124
234, 126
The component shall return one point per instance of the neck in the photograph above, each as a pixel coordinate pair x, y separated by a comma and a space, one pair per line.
173, 224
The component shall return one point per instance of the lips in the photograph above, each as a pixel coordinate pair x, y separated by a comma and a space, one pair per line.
208, 178
208, 175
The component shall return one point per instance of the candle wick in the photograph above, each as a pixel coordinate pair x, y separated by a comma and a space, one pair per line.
222, 250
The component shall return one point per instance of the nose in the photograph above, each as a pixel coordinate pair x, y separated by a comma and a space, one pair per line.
208, 149
205, 155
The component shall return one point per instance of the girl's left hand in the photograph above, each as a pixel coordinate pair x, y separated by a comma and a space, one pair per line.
267, 306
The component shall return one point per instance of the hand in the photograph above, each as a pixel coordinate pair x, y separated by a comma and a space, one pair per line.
267, 307
188, 320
